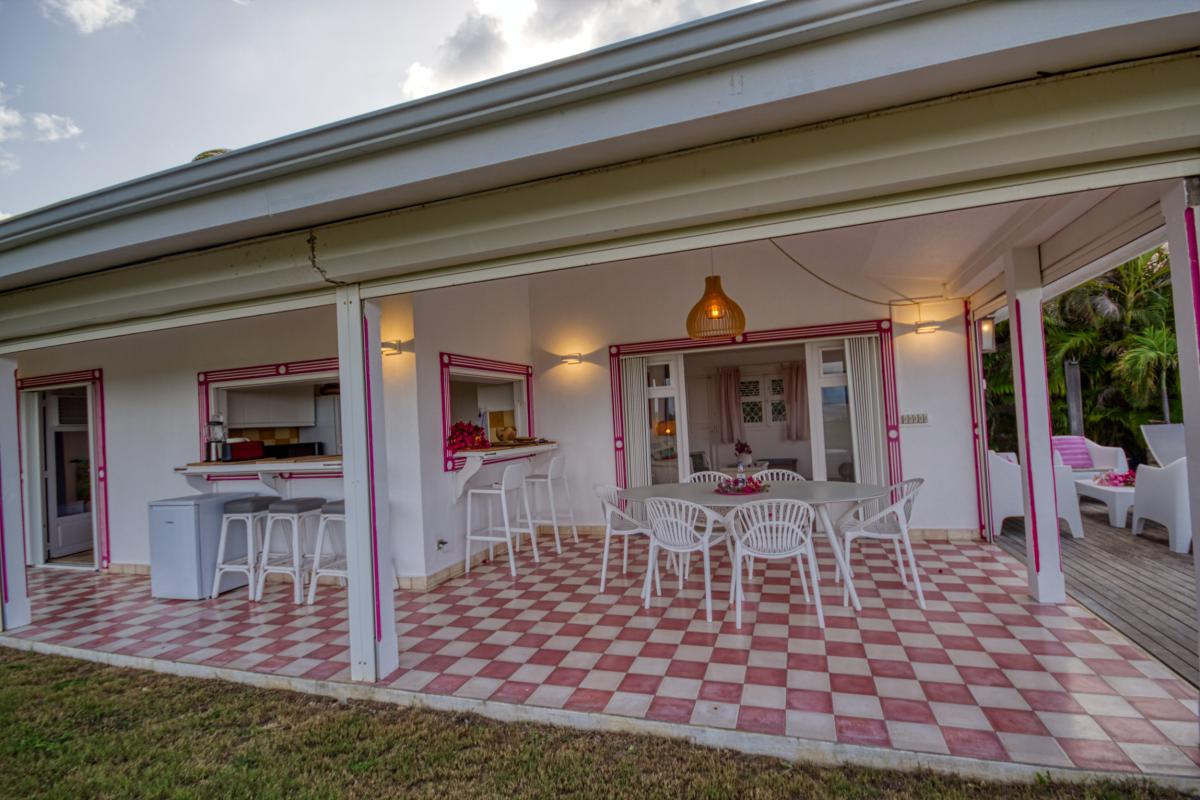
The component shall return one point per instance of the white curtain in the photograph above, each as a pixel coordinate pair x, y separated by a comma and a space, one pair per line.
795, 398
729, 404
866, 399
637, 422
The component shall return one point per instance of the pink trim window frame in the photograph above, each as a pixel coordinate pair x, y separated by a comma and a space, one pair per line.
882, 327
95, 379
450, 461
212, 379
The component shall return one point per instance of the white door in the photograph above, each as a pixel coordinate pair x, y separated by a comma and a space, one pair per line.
68, 472
666, 419
832, 426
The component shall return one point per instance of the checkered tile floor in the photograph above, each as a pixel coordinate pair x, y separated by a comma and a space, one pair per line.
981, 673
116, 614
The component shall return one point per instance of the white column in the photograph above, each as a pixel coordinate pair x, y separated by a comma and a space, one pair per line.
15, 606
373, 649
1181, 209
1043, 556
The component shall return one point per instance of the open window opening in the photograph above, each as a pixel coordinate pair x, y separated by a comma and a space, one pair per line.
283, 416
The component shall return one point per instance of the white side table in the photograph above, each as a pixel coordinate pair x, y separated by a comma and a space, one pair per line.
1119, 499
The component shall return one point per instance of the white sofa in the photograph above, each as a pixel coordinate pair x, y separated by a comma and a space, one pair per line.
1104, 459
1160, 494
1007, 501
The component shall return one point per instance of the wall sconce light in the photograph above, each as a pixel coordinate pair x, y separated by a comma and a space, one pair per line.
573, 358
987, 336
392, 348
923, 325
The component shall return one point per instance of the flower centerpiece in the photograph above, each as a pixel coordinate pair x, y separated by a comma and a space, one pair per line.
466, 436
742, 484
745, 455
1115, 478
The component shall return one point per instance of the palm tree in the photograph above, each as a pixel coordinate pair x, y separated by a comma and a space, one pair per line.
1145, 360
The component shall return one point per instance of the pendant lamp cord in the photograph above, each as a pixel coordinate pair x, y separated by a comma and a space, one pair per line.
832, 285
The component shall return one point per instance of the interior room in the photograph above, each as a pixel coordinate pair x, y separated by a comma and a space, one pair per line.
291, 416
757, 411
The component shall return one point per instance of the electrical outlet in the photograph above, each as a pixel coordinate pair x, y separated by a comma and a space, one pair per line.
915, 418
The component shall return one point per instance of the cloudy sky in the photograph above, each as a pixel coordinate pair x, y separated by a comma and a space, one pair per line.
95, 92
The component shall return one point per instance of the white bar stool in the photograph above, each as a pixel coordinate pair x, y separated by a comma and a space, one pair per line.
252, 513
332, 563
512, 480
290, 559
556, 473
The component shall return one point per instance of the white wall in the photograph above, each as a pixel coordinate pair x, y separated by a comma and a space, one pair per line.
152, 411
488, 320
931, 377
406, 473
586, 310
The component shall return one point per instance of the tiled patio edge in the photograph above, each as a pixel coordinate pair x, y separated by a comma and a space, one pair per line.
788, 748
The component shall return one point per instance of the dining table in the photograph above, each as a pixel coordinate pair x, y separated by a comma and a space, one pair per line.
819, 494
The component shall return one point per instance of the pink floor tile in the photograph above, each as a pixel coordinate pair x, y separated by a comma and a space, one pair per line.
549, 638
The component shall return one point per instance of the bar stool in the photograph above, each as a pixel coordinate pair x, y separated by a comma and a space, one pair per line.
252, 513
290, 559
512, 480
335, 565
556, 473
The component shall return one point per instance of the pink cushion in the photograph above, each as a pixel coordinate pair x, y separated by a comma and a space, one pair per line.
1073, 450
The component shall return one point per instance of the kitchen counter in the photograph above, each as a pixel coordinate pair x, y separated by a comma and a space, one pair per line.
473, 460
271, 471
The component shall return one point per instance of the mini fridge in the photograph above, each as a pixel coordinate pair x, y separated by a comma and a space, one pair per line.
184, 534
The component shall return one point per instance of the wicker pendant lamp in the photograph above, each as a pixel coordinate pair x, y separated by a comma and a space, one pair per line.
716, 315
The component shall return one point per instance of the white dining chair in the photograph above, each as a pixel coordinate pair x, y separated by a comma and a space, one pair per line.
682, 527
512, 482
707, 476
617, 522
779, 475
775, 530
872, 519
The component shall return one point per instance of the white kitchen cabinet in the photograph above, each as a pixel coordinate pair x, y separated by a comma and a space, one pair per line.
280, 406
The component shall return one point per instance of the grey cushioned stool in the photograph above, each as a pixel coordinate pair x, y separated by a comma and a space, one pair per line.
252, 513
283, 549
332, 563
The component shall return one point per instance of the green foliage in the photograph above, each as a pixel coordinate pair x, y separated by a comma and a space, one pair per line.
1120, 327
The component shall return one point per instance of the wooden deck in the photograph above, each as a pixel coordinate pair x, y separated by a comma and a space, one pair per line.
1134, 583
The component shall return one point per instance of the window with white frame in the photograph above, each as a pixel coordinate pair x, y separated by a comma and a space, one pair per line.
761, 399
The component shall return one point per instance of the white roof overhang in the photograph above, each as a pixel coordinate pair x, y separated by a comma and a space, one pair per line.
767, 67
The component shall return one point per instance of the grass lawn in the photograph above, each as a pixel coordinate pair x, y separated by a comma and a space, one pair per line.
74, 729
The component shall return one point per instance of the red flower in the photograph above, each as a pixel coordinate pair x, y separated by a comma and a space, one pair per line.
466, 435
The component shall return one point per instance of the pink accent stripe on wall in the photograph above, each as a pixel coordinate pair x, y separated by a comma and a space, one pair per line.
618, 413
378, 600
891, 405
3, 554
1015, 326
1189, 219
